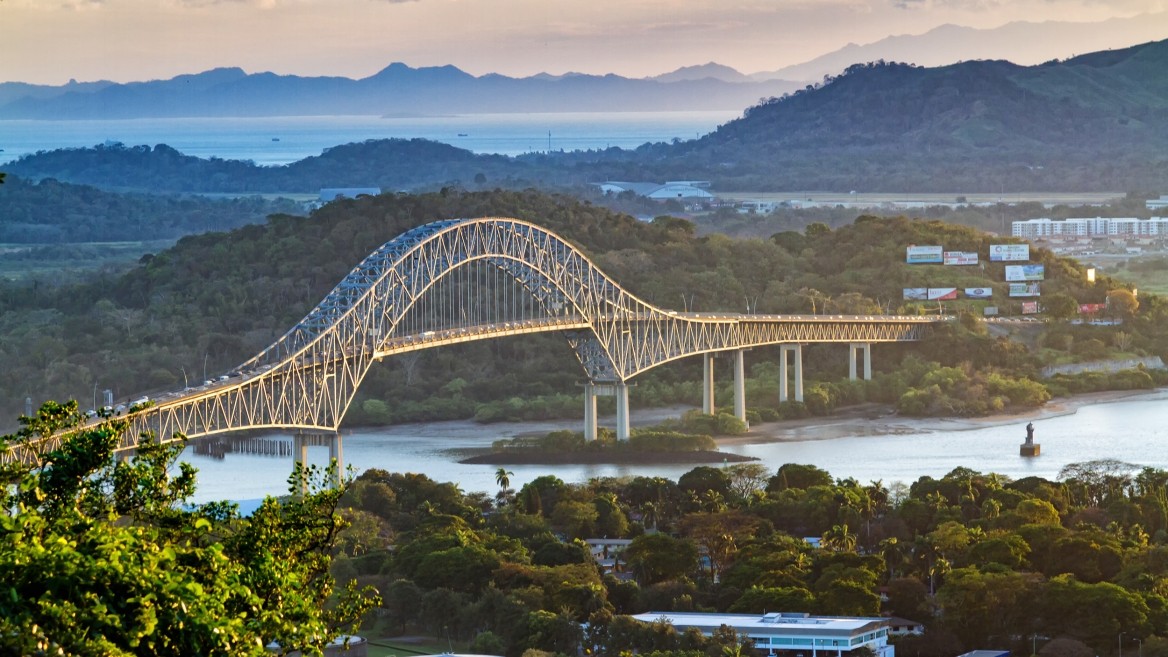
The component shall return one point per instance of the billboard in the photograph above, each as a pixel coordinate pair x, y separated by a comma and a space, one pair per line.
1024, 290
1092, 308
989, 311
916, 293
1029, 307
1009, 252
1025, 272
917, 255
979, 292
960, 257
942, 293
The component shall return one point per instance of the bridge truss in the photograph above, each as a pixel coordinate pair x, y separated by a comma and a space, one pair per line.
456, 281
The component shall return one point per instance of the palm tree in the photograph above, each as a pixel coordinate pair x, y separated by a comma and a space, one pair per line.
503, 478
649, 516
839, 539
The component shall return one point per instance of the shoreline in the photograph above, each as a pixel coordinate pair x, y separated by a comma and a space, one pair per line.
880, 419
862, 420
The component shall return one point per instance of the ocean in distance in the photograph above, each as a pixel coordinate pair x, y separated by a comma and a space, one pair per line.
281, 140
1130, 430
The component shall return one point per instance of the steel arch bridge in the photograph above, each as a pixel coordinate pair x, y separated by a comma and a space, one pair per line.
457, 281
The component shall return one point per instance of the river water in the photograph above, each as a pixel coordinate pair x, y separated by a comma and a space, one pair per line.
1131, 430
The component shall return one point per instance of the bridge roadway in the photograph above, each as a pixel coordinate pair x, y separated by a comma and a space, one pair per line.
390, 304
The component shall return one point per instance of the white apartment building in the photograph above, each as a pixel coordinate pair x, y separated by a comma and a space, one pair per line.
1044, 228
789, 633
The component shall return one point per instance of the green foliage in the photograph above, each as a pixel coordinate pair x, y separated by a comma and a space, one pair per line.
52, 212
98, 557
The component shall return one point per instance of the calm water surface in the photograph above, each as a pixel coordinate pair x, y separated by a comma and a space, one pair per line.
280, 140
1133, 430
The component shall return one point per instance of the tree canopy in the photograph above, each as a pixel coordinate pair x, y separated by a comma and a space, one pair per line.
106, 557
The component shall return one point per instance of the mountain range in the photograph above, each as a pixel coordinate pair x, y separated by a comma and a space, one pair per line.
1018, 42
396, 90
1096, 122
401, 90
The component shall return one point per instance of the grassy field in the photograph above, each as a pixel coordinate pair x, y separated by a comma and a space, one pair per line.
1148, 272
65, 261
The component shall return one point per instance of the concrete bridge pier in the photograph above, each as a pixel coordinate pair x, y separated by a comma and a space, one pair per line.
797, 350
708, 406
337, 458
300, 455
740, 385
621, 390
618, 389
590, 411
854, 347
301, 441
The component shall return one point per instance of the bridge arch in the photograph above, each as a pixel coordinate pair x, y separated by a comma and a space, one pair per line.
308, 378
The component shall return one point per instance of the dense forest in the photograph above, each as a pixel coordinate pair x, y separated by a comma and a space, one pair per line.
213, 300
1097, 122
1070, 568
52, 212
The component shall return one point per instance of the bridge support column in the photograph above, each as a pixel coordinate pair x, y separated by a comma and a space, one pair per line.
337, 459
300, 454
589, 411
797, 350
866, 347
621, 390
740, 385
708, 384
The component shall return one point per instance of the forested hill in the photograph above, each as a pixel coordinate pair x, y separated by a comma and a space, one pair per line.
52, 212
392, 164
221, 297
1099, 121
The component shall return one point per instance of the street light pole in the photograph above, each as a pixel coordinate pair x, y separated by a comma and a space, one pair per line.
205, 355
1121, 644
1139, 646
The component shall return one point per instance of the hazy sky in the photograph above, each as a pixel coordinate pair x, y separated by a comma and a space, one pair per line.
51, 41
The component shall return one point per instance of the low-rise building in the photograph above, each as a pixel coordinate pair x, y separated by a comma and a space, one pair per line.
1078, 228
789, 633
607, 553
1157, 203
674, 189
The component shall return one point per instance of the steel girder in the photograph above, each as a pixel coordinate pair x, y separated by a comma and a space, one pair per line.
308, 378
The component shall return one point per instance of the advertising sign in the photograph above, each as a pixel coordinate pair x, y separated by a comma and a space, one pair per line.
917, 255
942, 293
960, 258
1009, 252
1025, 272
1029, 307
979, 292
916, 293
1024, 290
1092, 308
989, 311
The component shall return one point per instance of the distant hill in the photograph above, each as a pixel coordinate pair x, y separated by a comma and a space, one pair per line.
1016, 42
397, 89
702, 72
52, 212
1097, 122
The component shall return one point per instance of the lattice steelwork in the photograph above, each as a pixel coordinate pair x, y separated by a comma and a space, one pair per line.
432, 286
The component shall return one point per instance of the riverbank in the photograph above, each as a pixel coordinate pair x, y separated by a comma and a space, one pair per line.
882, 420
604, 457
863, 420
